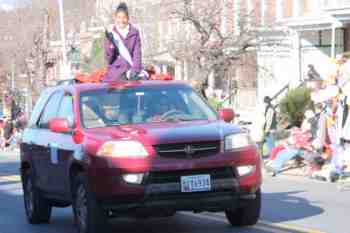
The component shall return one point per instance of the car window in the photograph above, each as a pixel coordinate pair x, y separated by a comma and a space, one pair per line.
142, 105
50, 110
38, 108
191, 101
66, 109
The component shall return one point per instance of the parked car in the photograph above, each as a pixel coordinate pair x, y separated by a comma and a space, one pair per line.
140, 148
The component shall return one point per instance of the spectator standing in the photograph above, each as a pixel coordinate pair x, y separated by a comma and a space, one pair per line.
8, 130
2, 139
14, 139
270, 125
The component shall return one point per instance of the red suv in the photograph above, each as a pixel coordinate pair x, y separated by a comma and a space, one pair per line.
140, 149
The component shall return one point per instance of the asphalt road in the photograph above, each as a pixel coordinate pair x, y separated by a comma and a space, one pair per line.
289, 205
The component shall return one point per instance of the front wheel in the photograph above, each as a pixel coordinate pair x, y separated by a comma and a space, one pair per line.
248, 215
37, 208
88, 214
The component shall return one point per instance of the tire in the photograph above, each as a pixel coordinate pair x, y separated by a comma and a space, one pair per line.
88, 214
37, 208
248, 215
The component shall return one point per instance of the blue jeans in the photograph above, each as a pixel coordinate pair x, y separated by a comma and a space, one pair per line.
283, 157
270, 142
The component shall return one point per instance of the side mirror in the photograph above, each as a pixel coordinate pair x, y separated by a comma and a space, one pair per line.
227, 114
59, 125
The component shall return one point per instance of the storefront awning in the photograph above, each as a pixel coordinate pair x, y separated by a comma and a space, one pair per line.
342, 15
311, 23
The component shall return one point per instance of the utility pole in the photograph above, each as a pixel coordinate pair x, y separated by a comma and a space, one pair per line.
13, 76
63, 40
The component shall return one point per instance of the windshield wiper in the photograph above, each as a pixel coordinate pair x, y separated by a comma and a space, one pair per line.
113, 124
174, 119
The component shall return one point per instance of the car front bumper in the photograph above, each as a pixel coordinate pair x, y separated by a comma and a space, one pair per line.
160, 199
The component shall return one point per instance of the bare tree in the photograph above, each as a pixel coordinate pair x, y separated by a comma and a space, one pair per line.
204, 42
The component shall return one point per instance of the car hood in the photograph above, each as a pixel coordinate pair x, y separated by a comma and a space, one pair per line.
164, 133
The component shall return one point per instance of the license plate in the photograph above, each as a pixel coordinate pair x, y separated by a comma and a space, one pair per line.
198, 183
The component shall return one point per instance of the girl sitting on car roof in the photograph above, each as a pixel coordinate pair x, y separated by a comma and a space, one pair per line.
123, 48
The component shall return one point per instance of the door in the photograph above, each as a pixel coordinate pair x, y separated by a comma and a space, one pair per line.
44, 138
62, 149
29, 145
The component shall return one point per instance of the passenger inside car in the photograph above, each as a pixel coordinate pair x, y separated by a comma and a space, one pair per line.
92, 113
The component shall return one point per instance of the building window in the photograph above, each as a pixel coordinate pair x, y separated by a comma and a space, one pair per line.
263, 12
279, 9
296, 8
237, 12
223, 25
315, 5
249, 12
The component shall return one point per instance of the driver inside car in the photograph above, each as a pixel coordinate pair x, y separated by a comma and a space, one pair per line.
160, 107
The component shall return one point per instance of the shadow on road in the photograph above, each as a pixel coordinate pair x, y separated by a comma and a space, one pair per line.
9, 168
289, 207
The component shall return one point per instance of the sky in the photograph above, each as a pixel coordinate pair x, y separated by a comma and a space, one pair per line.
7, 4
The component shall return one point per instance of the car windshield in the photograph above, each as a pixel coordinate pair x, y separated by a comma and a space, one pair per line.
103, 108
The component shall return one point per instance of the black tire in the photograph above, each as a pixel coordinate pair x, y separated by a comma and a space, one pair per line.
248, 215
88, 214
38, 209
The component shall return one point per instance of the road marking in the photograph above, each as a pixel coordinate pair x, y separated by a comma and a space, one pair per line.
13, 189
280, 225
13, 178
256, 227
262, 225
283, 225
290, 227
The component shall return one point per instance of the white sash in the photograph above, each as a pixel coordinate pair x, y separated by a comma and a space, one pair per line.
123, 50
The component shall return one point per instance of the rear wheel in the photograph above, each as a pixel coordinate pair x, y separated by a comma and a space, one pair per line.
247, 215
88, 214
37, 208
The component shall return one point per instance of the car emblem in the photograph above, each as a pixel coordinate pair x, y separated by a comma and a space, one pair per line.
189, 150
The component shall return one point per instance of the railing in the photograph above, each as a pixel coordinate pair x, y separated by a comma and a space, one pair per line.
279, 93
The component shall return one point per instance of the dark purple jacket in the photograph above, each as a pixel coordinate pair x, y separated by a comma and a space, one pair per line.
120, 65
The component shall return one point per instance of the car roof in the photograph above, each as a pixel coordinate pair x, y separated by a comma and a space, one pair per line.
77, 88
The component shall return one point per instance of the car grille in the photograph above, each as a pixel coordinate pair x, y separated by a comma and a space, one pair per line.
188, 150
175, 176
164, 185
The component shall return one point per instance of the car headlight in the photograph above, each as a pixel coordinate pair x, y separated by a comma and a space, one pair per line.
238, 140
133, 178
123, 149
245, 170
